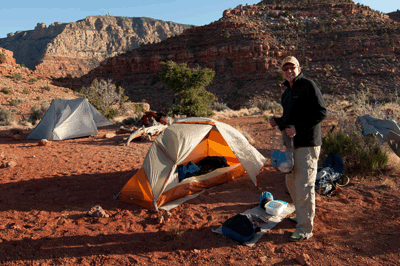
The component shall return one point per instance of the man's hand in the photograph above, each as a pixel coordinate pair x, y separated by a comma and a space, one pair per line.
272, 121
290, 131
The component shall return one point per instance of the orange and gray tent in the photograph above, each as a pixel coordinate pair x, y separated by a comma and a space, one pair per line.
67, 119
190, 140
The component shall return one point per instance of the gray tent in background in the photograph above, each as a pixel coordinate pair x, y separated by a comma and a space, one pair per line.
386, 130
67, 119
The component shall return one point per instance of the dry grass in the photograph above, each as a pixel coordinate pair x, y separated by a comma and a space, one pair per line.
174, 232
240, 113
394, 160
388, 184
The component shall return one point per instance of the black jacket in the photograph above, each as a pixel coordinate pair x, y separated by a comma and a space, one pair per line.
303, 107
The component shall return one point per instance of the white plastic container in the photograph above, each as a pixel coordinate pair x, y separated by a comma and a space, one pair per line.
275, 207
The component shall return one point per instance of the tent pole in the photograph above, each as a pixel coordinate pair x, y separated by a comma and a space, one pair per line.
155, 205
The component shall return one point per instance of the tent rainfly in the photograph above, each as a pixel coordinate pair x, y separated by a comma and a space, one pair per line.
190, 140
386, 130
67, 119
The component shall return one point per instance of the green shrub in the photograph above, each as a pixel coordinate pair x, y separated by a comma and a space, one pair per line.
218, 106
32, 80
266, 104
280, 76
46, 88
112, 113
14, 102
16, 76
37, 112
2, 58
138, 108
227, 35
6, 90
301, 26
6, 116
25, 91
360, 154
103, 95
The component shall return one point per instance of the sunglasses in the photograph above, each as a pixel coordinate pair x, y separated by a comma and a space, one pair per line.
287, 68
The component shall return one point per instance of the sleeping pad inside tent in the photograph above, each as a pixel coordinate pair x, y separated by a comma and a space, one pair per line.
190, 141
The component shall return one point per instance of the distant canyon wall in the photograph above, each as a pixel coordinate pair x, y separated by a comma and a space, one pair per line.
76, 48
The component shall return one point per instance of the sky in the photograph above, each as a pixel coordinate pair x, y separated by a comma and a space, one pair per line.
24, 15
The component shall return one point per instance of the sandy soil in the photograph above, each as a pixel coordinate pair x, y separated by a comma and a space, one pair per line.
45, 197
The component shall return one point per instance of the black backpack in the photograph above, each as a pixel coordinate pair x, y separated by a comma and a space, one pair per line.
329, 174
239, 228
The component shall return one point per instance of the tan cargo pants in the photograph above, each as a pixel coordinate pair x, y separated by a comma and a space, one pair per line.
301, 185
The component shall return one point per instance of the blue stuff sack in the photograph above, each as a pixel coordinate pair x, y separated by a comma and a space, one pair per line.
277, 157
282, 158
239, 228
265, 197
282, 161
185, 171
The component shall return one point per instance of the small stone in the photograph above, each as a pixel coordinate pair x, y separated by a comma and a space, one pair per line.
17, 137
43, 142
160, 219
97, 211
303, 259
109, 135
11, 164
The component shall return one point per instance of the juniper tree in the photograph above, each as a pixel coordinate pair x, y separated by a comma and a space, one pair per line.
188, 85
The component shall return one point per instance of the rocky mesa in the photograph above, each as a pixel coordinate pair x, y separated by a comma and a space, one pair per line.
345, 47
75, 48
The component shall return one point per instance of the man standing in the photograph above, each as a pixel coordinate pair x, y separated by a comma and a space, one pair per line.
303, 110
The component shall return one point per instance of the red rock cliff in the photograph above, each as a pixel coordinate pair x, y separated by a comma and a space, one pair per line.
342, 46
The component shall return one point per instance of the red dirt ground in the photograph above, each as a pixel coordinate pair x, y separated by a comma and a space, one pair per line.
45, 197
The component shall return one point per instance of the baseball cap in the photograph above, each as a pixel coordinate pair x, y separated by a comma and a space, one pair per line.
290, 60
